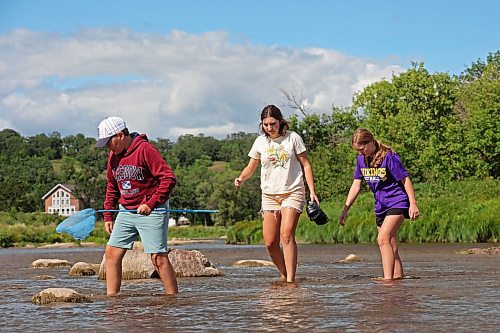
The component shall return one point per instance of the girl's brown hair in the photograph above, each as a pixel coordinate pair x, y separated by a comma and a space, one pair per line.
362, 136
275, 112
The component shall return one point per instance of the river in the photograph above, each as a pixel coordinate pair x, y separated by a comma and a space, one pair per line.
447, 292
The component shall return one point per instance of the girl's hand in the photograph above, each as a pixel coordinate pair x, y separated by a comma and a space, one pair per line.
343, 217
237, 182
314, 198
414, 212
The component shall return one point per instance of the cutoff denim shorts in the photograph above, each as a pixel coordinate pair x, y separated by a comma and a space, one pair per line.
152, 229
274, 202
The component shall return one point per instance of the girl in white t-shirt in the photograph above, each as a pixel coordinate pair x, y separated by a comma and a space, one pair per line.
283, 159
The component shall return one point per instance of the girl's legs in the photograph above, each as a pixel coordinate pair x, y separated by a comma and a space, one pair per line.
398, 264
290, 217
271, 234
388, 244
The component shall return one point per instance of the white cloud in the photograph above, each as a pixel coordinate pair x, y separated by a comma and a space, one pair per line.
164, 85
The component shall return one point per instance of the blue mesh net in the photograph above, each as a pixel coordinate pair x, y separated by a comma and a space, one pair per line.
78, 225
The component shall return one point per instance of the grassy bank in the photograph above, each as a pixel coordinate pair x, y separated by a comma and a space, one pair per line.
453, 212
464, 211
20, 229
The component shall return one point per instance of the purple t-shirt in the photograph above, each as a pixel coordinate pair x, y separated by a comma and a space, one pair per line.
385, 182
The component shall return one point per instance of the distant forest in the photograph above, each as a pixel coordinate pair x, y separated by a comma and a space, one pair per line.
445, 128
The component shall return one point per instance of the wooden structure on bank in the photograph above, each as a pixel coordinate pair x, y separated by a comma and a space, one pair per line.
61, 200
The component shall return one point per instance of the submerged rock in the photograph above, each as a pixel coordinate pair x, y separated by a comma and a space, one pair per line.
476, 250
44, 277
253, 263
65, 295
49, 263
350, 258
84, 269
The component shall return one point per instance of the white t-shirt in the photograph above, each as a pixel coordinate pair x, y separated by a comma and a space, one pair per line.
281, 171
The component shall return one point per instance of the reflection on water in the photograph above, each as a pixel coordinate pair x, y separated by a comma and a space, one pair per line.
449, 291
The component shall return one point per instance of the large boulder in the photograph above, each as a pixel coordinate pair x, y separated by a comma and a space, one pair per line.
137, 264
66, 295
49, 263
192, 263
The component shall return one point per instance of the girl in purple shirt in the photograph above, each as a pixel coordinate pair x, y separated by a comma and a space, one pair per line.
383, 171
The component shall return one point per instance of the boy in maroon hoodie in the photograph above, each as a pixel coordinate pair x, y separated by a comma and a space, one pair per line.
138, 178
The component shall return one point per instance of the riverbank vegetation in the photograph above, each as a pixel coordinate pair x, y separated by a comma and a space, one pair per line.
460, 211
445, 128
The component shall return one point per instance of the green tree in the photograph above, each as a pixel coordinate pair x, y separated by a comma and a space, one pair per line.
328, 141
234, 149
189, 148
12, 144
478, 108
43, 145
414, 114
73, 144
24, 181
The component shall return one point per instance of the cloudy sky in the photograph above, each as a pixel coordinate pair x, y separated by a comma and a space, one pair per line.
176, 67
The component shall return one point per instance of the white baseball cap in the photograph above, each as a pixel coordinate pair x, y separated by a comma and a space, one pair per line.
107, 128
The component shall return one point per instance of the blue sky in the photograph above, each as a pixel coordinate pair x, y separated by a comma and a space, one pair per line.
178, 67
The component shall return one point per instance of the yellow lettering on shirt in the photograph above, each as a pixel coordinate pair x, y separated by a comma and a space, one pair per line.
374, 174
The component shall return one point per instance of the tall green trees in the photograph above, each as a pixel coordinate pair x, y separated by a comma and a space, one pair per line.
328, 141
26, 172
478, 109
443, 127
412, 112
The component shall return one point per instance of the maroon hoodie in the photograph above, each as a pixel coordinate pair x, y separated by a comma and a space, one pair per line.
139, 175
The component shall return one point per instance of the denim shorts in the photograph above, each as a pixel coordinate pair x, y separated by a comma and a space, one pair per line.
274, 202
152, 229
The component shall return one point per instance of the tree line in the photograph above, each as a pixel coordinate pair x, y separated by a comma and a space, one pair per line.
445, 128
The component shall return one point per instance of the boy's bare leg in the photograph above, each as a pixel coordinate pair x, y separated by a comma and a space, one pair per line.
114, 257
166, 272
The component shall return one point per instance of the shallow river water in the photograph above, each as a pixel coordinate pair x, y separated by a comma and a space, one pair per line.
448, 292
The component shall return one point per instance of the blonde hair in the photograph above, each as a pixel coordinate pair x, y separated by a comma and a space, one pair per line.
362, 136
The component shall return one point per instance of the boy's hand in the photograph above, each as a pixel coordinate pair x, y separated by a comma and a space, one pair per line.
144, 209
108, 226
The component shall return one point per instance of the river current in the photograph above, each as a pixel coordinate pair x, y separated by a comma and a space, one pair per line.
446, 292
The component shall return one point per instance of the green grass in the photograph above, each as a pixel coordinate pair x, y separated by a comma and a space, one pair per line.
196, 232
463, 211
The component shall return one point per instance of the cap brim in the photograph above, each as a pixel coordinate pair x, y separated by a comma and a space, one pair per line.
101, 142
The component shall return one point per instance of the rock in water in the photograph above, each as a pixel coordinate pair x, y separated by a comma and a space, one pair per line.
137, 264
66, 295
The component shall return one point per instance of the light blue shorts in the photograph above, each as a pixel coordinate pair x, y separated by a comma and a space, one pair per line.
152, 229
